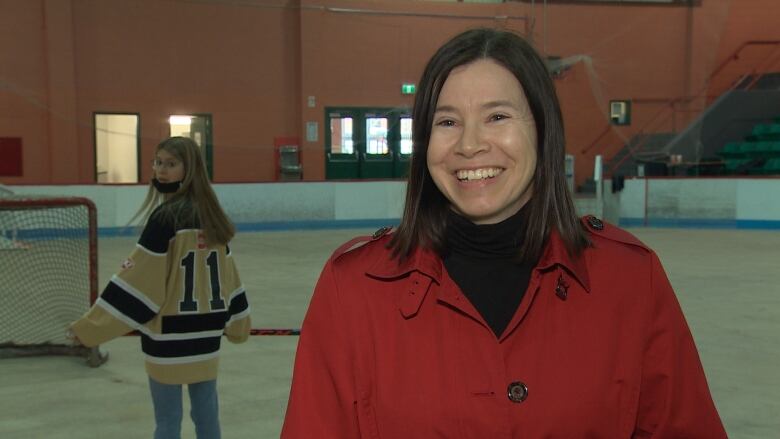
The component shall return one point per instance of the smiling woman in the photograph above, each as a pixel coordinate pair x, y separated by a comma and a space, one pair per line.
494, 311
482, 151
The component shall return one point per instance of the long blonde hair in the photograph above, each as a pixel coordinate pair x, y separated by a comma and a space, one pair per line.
195, 202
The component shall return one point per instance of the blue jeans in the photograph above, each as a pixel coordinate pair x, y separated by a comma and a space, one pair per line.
167, 402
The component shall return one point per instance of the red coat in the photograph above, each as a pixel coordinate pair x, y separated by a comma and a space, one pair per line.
599, 342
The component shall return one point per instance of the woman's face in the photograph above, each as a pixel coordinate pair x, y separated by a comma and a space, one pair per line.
482, 150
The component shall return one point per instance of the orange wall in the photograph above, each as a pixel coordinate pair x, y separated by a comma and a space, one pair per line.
751, 20
62, 60
23, 77
235, 62
636, 53
253, 66
352, 58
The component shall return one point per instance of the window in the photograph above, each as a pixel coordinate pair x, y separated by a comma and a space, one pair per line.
341, 135
116, 148
376, 135
406, 135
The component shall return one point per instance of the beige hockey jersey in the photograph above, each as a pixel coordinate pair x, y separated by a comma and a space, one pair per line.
181, 295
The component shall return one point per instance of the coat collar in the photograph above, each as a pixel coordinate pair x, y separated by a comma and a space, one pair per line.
423, 267
425, 263
429, 263
423, 260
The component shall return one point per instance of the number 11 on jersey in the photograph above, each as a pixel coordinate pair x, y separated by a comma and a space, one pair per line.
188, 304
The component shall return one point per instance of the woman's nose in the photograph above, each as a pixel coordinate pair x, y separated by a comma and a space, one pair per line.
472, 141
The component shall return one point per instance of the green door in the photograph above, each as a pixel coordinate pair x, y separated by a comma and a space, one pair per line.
377, 157
367, 143
401, 140
200, 131
341, 156
198, 128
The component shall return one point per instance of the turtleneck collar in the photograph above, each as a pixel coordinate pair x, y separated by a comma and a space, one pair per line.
485, 241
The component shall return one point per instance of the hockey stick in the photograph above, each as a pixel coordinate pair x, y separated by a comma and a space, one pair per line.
255, 331
265, 331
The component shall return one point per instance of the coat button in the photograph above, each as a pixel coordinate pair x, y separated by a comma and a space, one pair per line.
517, 392
562, 288
595, 223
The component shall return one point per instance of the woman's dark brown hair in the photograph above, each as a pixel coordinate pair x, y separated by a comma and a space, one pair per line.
551, 206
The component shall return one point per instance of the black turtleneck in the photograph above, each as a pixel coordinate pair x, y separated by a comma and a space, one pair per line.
483, 262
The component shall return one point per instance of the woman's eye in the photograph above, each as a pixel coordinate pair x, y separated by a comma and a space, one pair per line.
446, 123
497, 117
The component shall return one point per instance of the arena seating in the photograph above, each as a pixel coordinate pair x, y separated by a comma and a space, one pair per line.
758, 154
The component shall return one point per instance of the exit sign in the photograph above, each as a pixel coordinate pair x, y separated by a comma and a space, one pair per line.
408, 89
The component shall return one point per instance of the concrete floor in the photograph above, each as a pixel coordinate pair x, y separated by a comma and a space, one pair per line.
728, 283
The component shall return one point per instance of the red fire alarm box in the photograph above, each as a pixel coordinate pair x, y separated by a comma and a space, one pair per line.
11, 157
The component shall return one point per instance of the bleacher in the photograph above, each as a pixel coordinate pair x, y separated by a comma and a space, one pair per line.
757, 154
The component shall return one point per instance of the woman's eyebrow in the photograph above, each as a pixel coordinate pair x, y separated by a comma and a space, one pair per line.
445, 108
498, 103
486, 105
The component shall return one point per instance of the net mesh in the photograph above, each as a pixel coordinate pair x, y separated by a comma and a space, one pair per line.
48, 265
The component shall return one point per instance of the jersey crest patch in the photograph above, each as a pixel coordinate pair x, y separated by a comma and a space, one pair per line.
128, 264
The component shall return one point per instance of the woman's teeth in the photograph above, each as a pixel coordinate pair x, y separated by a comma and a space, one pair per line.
478, 174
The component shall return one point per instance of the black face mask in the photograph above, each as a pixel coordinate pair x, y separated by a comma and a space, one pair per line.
166, 188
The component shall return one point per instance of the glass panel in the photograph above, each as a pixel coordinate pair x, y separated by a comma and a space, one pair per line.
193, 127
116, 148
197, 128
180, 125
406, 135
341, 135
376, 135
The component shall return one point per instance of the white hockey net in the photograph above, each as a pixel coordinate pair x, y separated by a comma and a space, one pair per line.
48, 267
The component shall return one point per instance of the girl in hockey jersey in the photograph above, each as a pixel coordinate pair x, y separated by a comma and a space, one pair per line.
179, 288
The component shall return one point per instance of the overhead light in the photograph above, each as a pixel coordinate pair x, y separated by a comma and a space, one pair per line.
180, 120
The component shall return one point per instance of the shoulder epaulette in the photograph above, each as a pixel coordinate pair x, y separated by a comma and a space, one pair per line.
360, 241
606, 230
